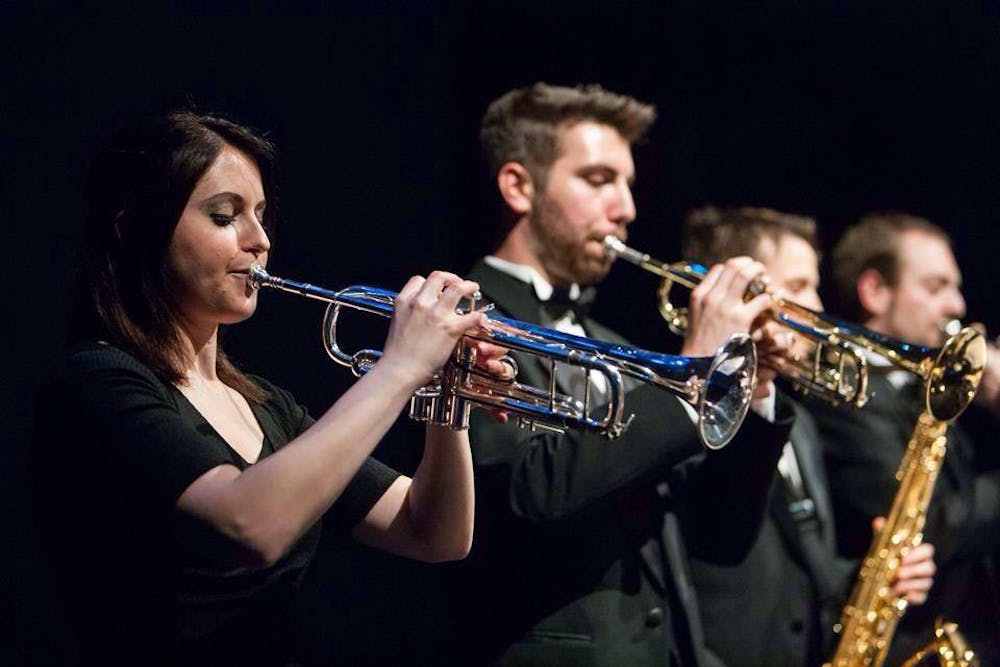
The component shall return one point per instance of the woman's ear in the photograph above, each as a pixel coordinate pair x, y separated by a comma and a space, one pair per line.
516, 187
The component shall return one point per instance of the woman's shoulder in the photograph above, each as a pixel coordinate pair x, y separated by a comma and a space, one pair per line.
88, 361
91, 356
94, 354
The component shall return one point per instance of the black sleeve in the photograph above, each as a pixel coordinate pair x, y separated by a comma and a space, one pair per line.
369, 484
548, 476
722, 495
108, 409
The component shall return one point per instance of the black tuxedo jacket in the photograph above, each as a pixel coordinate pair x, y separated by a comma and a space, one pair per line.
578, 558
863, 450
778, 605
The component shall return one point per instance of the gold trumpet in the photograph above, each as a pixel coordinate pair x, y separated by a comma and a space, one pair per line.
719, 387
834, 370
837, 370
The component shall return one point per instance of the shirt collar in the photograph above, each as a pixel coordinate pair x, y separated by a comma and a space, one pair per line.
528, 274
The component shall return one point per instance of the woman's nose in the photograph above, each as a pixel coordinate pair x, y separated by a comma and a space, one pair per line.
256, 240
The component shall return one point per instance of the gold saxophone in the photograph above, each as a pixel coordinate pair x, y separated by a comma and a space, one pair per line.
948, 645
869, 619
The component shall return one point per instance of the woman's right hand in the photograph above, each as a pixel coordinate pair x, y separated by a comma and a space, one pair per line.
425, 327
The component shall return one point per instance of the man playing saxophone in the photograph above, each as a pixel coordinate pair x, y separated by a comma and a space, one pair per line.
578, 557
896, 274
779, 604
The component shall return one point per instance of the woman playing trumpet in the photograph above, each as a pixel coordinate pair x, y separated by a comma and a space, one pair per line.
183, 498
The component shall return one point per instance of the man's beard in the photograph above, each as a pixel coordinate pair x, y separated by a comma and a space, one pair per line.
564, 258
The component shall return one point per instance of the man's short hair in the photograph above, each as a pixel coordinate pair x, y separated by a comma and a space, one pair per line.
712, 235
523, 125
872, 243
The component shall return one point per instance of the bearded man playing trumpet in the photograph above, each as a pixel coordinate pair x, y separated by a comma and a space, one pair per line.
896, 274
578, 557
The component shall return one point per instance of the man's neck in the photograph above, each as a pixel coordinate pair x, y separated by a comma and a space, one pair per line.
877, 325
518, 248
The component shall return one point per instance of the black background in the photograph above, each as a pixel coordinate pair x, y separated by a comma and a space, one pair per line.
829, 109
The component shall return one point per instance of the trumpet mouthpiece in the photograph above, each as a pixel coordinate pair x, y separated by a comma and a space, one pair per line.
256, 277
613, 246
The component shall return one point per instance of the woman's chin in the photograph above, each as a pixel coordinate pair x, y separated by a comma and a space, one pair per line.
239, 313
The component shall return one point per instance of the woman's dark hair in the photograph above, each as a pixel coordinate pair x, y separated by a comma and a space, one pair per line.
139, 184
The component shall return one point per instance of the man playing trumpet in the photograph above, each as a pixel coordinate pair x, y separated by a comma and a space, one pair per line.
578, 557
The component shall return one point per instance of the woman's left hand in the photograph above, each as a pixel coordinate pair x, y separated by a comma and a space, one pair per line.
489, 358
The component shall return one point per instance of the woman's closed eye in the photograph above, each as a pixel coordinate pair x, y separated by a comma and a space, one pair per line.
222, 219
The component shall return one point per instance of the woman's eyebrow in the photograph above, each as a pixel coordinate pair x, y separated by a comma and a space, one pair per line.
223, 198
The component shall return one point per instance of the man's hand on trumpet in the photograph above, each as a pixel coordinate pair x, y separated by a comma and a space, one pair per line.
493, 360
717, 309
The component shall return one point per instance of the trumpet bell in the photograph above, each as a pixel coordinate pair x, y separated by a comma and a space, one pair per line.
725, 398
719, 387
952, 382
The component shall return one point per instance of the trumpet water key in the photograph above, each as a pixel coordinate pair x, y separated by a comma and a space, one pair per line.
719, 387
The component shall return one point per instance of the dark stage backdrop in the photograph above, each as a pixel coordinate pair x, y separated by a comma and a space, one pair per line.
831, 111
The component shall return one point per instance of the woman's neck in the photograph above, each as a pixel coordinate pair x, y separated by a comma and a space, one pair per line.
200, 352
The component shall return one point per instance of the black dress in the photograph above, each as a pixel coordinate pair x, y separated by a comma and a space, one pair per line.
114, 449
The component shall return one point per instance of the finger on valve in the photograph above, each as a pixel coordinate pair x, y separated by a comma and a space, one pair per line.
494, 360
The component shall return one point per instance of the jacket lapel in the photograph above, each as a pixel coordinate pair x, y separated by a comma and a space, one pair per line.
808, 452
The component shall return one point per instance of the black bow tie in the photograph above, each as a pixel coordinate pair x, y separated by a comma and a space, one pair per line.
559, 304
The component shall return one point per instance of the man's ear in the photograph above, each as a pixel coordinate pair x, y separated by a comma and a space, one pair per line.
516, 187
874, 293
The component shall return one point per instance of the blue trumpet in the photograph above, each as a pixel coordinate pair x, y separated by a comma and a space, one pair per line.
719, 387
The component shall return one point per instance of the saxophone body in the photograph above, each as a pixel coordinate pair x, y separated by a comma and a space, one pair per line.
951, 375
869, 619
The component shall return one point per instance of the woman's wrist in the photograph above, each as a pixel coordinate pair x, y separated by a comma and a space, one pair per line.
402, 373
437, 433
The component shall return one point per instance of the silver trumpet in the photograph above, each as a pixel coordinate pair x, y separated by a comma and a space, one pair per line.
718, 387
